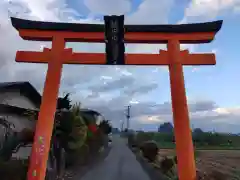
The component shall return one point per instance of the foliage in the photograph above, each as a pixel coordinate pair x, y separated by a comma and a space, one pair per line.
105, 126
201, 140
205, 140
132, 140
64, 102
167, 165
209, 139
149, 150
166, 127
78, 135
197, 131
95, 142
71, 127
100, 138
142, 137
76, 109
80, 146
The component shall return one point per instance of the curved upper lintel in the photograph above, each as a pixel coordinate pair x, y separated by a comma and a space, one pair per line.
98, 29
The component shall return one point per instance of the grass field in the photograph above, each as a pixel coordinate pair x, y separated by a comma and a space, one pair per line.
170, 145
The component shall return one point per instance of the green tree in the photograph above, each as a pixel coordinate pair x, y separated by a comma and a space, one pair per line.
166, 127
78, 134
64, 102
105, 127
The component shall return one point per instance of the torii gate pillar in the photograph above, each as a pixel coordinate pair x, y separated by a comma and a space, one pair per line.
113, 35
182, 131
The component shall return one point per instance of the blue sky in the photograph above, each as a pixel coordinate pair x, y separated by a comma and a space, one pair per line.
220, 82
212, 91
215, 83
206, 81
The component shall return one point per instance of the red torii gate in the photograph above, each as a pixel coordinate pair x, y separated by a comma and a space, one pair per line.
59, 33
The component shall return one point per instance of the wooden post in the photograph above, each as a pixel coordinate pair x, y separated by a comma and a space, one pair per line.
183, 137
43, 133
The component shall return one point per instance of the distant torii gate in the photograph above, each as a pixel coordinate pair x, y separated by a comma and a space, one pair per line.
114, 34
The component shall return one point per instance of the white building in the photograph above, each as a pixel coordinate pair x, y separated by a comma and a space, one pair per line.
15, 99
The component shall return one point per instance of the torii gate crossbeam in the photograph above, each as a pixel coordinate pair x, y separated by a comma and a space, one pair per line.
59, 33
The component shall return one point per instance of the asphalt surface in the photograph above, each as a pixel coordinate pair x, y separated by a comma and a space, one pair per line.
120, 164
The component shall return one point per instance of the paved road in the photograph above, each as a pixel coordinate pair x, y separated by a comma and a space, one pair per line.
120, 164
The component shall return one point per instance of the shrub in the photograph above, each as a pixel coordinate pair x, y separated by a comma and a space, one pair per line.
149, 150
132, 140
167, 165
105, 127
142, 137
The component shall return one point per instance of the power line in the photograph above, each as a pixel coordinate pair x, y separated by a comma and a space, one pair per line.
128, 114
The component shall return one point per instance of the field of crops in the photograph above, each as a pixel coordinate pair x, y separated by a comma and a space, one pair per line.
217, 154
223, 162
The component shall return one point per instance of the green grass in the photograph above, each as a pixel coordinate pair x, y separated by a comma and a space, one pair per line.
170, 145
203, 141
166, 145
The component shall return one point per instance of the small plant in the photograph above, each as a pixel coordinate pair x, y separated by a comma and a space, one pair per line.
132, 140
105, 127
167, 165
149, 150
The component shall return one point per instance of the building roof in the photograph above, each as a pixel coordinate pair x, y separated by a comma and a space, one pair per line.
8, 109
29, 91
25, 88
214, 26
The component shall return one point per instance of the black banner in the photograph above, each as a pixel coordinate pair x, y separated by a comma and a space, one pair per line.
114, 39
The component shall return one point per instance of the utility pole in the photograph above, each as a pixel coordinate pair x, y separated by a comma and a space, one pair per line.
128, 116
122, 128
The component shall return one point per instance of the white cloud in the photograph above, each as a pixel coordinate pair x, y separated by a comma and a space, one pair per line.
57, 10
151, 12
214, 51
227, 111
148, 12
78, 79
106, 78
108, 7
134, 101
150, 119
44, 10
228, 116
218, 119
208, 9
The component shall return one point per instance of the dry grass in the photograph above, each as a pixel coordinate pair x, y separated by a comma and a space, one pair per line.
220, 163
